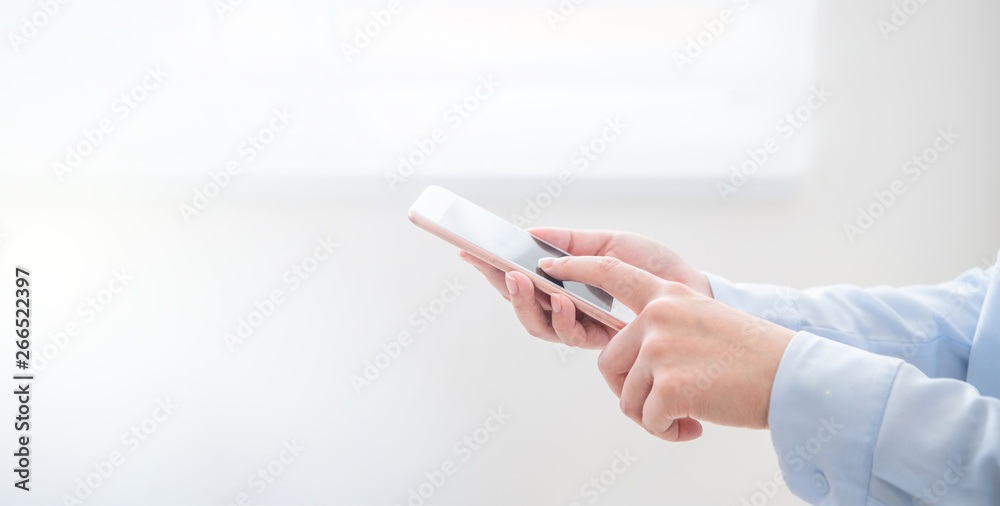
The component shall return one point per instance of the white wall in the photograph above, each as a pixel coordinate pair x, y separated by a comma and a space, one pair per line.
162, 336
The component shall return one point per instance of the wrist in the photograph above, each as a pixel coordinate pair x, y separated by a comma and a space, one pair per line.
702, 285
776, 348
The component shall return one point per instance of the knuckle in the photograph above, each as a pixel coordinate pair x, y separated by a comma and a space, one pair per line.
605, 361
631, 409
661, 428
662, 307
653, 417
674, 288
571, 342
534, 332
649, 422
654, 347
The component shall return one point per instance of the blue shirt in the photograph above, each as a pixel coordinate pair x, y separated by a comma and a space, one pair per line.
886, 395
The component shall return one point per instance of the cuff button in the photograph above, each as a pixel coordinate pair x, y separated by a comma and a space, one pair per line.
819, 481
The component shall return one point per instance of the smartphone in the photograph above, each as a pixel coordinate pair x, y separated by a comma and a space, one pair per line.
497, 241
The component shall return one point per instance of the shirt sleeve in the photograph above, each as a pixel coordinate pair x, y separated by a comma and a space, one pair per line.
931, 326
854, 427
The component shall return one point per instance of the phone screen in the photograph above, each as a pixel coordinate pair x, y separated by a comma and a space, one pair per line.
504, 239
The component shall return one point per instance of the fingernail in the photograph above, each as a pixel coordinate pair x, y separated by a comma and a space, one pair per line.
546, 262
511, 285
556, 305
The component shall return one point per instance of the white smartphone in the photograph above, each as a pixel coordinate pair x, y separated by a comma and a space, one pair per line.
508, 247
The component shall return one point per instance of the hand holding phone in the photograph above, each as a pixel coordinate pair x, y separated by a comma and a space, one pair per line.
495, 241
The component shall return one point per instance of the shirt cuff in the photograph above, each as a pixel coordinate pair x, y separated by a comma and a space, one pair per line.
773, 303
827, 404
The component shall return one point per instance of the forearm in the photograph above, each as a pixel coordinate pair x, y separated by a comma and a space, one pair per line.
928, 326
852, 427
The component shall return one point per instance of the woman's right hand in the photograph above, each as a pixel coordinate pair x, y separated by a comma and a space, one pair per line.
554, 318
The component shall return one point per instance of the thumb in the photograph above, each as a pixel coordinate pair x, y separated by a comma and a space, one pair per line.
631, 285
